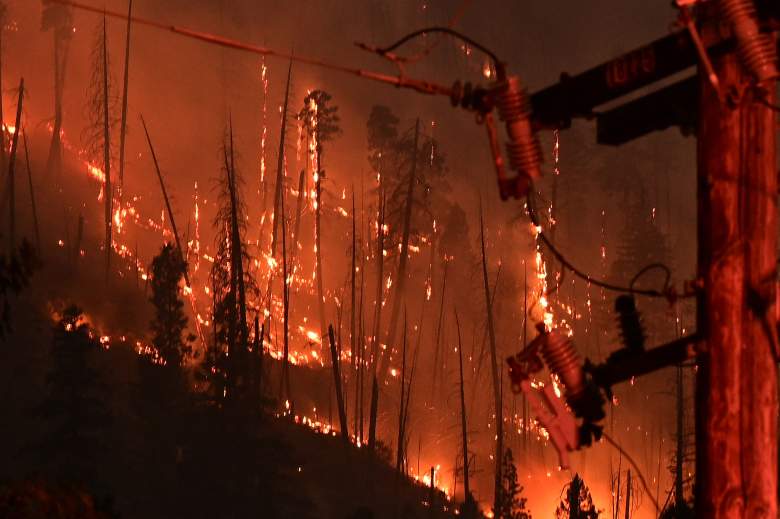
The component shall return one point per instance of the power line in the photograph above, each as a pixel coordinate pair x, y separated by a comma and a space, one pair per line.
666, 292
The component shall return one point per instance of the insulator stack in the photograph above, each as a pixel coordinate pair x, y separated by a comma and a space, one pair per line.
630, 323
756, 49
565, 363
523, 148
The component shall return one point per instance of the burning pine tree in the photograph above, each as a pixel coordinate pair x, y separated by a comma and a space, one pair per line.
321, 121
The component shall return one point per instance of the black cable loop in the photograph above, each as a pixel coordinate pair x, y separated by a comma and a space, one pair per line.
666, 292
444, 30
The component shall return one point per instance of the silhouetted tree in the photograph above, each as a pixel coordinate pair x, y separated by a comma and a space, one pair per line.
169, 321
102, 119
511, 504
678, 510
15, 274
412, 158
40, 500
577, 502
74, 407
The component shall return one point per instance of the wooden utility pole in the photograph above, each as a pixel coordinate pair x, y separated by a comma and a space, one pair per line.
736, 386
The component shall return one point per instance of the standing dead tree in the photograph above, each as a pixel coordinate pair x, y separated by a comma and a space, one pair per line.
402, 257
321, 122
123, 126
58, 19
237, 253
337, 380
278, 190
101, 107
3, 17
463, 422
360, 373
11, 173
494, 367
352, 277
298, 213
380, 249
399, 459
108, 193
165, 197
36, 228
437, 339
226, 358
285, 381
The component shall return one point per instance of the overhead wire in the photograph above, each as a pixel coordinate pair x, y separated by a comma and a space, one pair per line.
421, 86
667, 292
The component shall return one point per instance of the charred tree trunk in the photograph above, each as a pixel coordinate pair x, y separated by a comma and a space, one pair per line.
32, 196
61, 34
318, 240
108, 192
123, 127
360, 389
402, 261
400, 450
11, 173
463, 422
237, 258
375, 351
409, 388
285, 304
352, 285
628, 495
165, 197
494, 368
257, 381
437, 340
280, 164
337, 381
3, 158
298, 213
